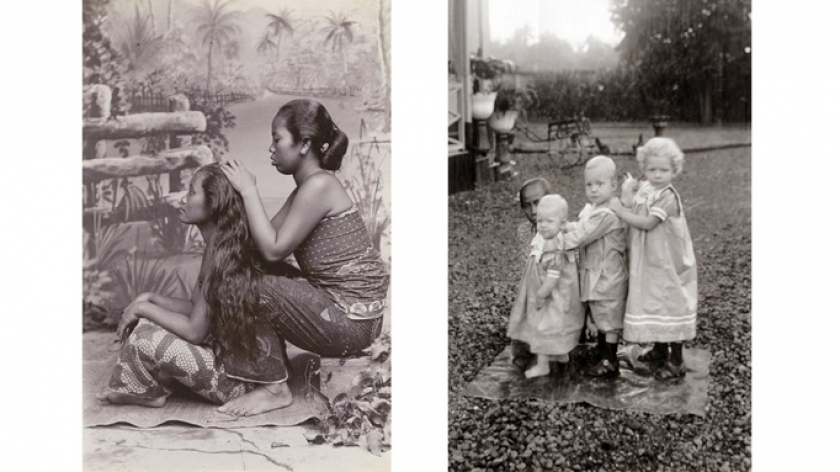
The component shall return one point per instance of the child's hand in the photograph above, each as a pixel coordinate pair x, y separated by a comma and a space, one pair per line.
615, 205
630, 184
629, 188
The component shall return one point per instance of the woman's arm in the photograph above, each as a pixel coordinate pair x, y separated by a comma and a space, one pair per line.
177, 305
193, 326
281, 215
313, 201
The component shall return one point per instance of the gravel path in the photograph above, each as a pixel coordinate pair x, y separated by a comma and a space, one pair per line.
535, 435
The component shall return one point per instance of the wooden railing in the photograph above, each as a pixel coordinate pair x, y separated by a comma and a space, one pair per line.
99, 127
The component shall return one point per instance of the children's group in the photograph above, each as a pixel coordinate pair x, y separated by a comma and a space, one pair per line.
624, 269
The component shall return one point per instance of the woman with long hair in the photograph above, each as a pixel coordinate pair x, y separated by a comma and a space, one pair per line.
228, 343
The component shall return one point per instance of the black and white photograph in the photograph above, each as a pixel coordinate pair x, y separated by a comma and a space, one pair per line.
600, 304
236, 218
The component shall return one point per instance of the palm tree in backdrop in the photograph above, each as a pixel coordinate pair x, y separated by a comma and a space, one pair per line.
277, 25
138, 41
216, 26
266, 44
339, 33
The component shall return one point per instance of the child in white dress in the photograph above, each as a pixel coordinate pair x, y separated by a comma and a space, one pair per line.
530, 194
602, 241
662, 297
547, 313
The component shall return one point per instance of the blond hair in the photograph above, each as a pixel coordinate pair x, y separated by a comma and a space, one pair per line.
661, 147
553, 202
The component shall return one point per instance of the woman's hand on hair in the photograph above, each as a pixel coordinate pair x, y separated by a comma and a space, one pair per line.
240, 178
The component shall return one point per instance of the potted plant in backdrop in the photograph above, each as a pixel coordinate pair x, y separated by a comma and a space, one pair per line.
510, 104
487, 75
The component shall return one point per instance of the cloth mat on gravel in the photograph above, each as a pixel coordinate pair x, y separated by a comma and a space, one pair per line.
636, 388
185, 407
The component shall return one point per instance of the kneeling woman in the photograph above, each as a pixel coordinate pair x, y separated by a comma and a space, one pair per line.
228, 343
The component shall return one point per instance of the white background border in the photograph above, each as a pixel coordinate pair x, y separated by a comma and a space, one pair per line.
795, 164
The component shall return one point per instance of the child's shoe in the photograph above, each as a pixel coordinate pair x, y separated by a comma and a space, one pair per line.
670, 371
658, 353
604, 369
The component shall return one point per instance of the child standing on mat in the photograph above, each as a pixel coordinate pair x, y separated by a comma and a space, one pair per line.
530, 194
662, 297
547, 313
602, 241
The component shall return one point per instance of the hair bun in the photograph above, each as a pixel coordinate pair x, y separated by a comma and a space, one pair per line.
335, 152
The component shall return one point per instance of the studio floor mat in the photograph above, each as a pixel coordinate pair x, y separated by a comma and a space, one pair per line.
185, 408
635, 389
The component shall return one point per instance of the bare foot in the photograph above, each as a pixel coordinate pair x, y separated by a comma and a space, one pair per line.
537, 371
264, 398
118, 398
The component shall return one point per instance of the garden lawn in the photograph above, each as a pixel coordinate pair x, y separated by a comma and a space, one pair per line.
620, 137
533, 435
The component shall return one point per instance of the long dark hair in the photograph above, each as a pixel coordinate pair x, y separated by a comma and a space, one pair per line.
235, 269
308, 119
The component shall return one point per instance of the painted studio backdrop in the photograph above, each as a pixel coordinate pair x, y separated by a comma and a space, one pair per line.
170, 85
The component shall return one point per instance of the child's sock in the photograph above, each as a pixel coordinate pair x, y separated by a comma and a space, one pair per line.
676, 353
612, 352
602, 344
658, 353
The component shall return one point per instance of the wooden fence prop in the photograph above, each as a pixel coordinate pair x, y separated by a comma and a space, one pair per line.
99, 127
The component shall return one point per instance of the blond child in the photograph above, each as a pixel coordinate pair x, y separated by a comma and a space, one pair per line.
662, 297
547, 314
602, 241
530, 194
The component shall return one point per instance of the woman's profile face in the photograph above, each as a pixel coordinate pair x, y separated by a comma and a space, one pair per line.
194, 210
285, 153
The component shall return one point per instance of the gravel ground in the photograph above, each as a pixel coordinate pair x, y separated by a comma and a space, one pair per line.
535, 435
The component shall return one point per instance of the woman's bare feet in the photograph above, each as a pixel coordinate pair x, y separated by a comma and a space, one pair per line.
118, 398
264, 398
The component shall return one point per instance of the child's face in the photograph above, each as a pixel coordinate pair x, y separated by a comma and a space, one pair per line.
600, 185
659, 171
529, 200
549, 222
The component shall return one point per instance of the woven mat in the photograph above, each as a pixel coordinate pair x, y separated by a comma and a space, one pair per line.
185, 408
636, 388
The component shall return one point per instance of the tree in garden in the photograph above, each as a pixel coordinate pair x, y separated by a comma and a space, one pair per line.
217, 25
339, 33
683, 52
277, 25
139, 43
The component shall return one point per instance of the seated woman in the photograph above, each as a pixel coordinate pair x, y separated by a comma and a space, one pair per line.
227, 343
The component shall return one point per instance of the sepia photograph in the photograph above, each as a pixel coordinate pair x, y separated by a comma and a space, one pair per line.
236, 235
600, 235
